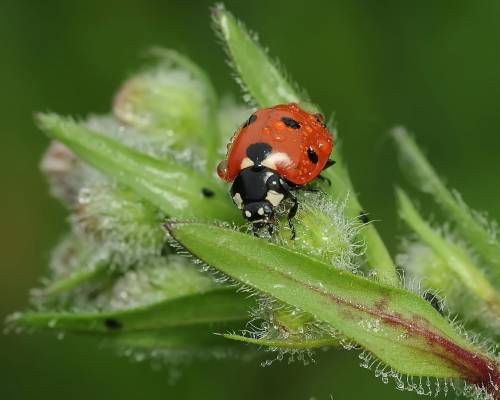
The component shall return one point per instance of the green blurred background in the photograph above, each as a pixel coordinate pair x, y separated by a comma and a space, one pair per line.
430, 65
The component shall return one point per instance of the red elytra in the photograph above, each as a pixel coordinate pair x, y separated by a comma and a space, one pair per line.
300, 142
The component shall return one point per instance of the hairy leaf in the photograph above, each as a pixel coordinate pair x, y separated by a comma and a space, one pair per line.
214, 306
261, 77
174, 188
399, 327
292, 343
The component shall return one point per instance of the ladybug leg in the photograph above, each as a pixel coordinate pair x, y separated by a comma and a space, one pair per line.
286, 190
325, 179
329, 163
291, 214
255, 230
270, 229
310, 189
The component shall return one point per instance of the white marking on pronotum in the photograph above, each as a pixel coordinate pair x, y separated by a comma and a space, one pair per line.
248, 213
274, 197
277, 159
260, 211
246, 162
238, 200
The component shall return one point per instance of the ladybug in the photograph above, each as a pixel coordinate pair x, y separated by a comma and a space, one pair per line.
277, 150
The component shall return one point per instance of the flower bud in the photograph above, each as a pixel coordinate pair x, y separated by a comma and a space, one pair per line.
172, 99
117, 219
323, 231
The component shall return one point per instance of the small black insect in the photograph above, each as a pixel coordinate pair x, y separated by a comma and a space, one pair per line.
207, 192
363, 217
112, 324
434, 301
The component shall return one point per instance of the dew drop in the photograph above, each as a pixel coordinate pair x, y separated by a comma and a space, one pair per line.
222, 169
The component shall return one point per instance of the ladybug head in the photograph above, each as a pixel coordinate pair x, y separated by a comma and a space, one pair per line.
258, 212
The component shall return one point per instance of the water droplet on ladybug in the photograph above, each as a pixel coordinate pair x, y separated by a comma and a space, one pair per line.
322, 143
222, 169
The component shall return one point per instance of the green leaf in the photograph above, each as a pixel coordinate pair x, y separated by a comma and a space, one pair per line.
74, 261
179, 341
267, 86
170, 330
72, 280
261, 77
172, 187
468, 223
399, 327
286, 344
219, 305
456, 258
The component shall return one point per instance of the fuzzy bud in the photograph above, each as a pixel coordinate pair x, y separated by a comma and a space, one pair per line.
323, 231
169, 99
114, 217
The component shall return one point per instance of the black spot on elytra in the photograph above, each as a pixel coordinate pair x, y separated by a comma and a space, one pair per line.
257, 152
313, 157
207, 192
250, 120
290, 122
363, 217
112, 324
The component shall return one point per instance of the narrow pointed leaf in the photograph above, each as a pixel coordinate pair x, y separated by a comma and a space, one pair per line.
467, 222
215, 306
268, 86
286, 344
174, 188
181, 340
399, 327
260, 76
74, 279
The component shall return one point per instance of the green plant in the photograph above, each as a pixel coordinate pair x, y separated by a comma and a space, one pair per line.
117, 274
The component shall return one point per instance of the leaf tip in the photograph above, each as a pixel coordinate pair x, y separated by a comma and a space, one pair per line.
43, 120
217, 10
398, 132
